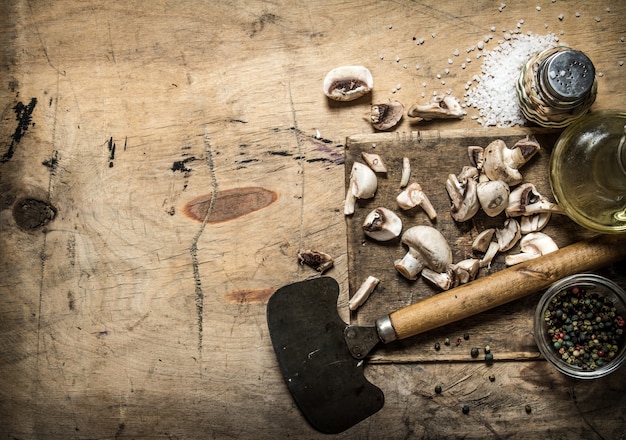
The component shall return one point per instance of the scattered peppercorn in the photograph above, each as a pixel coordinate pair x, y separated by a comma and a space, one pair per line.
492, 377
489, 357
466, 336
528, 409
474, 352
466, 409
487, 349
438, 389
437, 346
458, 342
447, 341
585, 328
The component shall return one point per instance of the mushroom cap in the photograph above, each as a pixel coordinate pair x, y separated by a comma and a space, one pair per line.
347, 83
382, 224
428, 245
493, 196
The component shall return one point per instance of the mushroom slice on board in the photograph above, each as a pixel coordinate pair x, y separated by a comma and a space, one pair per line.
413, 196
382, 224
363, 292
362, 185
374, 161
320, 261
493, 196
526, 200
532, 245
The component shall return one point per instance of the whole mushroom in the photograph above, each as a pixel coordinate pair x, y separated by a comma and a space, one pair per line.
427, 248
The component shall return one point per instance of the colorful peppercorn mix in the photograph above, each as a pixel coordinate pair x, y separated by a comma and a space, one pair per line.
585, 328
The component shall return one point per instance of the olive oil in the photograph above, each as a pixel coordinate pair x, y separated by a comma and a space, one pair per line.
588, 171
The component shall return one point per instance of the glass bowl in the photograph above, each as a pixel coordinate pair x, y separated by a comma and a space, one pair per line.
579, 326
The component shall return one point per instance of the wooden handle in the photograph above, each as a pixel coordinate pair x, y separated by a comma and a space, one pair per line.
507, 285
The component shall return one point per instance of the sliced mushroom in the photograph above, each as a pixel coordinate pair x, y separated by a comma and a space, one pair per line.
406, 172
363, 184
427, 248
347, 83
443, 280
482, 240
491, 252
465, 270
503, 163
363, 292
320, 261
526, 200
463, 195
532, 246
382, 224
493, 196
535, 222
386, 116
374, 161
508, 235
476, 156
413, 196
439, 107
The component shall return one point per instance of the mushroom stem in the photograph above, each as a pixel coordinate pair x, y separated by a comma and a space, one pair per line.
363, 184
413, 196
409, 266
406, 172
363, 292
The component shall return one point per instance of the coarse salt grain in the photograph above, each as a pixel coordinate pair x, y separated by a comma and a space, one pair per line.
494, 94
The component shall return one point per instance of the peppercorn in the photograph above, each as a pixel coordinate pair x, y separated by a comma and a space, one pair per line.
458, 342
584, 328
487, 349
489, 357
438, 389
466, 336
492, 378
447, 341
437, 346
474, 352
528, 409
466, 409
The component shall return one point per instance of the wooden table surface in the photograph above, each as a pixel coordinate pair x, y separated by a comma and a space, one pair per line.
163, 163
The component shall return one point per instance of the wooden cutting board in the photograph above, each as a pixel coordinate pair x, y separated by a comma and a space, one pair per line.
433, 156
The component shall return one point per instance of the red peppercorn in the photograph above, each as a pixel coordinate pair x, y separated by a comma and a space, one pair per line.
601, 353
575, 290
620, 322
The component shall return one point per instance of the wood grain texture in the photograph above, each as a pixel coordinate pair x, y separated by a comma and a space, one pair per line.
122, 318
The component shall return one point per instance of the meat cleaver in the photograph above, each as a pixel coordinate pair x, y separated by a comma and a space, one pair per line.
322, 358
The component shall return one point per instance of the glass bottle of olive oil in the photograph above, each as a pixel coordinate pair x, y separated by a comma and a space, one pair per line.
588, 171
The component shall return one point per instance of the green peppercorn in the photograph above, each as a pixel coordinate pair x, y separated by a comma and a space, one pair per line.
438, 389
474, 352
489, 357
447, 341
487, 349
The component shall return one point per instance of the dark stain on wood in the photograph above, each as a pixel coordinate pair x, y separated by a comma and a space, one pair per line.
229, 204
248, 296
181, 165
23, 115
31, 214
53, 162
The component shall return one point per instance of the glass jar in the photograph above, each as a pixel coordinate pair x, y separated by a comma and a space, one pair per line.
588, 171
582, 352
556, 87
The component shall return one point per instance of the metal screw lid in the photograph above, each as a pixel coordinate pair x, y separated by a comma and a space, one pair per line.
567, 77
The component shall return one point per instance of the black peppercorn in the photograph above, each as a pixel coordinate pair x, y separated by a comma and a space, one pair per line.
466, 409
